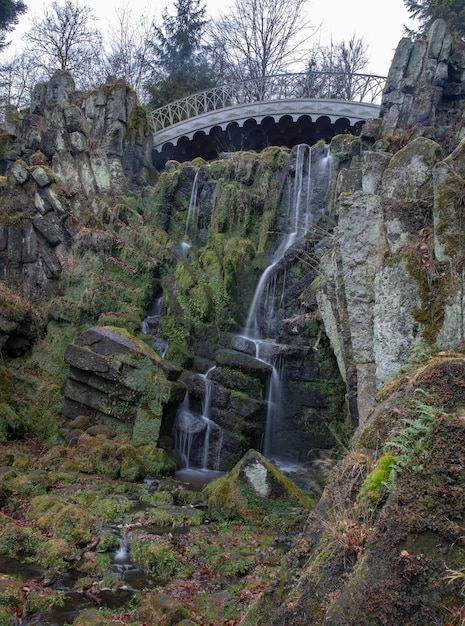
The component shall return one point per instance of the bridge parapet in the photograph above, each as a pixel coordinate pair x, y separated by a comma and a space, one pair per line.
365, 88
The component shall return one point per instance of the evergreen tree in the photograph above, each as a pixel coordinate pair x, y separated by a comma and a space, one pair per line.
10, 10
180, 60
427, 11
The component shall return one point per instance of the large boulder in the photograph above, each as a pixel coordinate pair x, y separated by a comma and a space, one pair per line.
256, 490
120, 381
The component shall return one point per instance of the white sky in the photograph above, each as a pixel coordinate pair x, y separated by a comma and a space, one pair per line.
379, 22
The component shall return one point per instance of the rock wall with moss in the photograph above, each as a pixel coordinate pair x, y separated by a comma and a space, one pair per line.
225, 219
391, 283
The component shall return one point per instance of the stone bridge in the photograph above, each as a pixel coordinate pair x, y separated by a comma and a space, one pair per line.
284, 109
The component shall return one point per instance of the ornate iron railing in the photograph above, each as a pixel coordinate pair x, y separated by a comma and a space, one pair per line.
317, 85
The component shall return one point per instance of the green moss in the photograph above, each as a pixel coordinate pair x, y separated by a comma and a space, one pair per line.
208, 282
275, 157
10, 595
18, 541
434, 286
374, 489
138, 124
154, 553
156, 461
67, 520
50, 554
231, 497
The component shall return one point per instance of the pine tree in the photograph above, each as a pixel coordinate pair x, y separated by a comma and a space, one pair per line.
427, 11
180, 65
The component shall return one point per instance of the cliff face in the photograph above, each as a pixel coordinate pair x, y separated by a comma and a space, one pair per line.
393, 280
61, 153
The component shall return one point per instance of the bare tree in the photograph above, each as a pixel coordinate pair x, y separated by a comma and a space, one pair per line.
333, 71
64, 38
259, 38
128, 57
18, 76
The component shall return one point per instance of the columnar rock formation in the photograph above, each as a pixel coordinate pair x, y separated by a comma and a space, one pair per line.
120, 382
62, 152
393, 278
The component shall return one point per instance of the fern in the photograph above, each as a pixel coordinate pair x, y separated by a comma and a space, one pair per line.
408, 442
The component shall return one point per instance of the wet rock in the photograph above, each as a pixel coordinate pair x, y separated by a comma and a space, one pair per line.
243, 363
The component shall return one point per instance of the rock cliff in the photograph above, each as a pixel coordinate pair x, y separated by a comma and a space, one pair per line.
384, 545
392, 280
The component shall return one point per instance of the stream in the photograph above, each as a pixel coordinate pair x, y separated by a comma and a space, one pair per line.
125, 578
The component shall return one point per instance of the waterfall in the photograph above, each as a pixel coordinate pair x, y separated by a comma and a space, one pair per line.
299, 220
193, 432
156, 310
149, 325
274, 407
302, 209
190, 229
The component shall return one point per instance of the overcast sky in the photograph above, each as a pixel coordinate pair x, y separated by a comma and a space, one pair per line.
379, 22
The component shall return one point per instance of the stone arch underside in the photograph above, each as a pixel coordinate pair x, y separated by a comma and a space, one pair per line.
218, 134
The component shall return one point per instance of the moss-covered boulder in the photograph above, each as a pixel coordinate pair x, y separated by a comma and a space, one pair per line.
120, 379
255, 490
111, 458
159, 608
63, 518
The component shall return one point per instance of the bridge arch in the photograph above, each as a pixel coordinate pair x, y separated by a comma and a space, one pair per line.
254, 135
232, 117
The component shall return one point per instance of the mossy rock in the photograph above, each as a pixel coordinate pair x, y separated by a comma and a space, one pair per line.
10, 592
156, 461
115, 459
374, 490
17, 541
159, 608
51, 553
10, 424
155, 555
90, 617
255, 490
65, 519
131, 467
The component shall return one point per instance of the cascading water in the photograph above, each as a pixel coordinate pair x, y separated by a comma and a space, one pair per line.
193, 432
301, 213
154, 313
191, 221
150, 324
